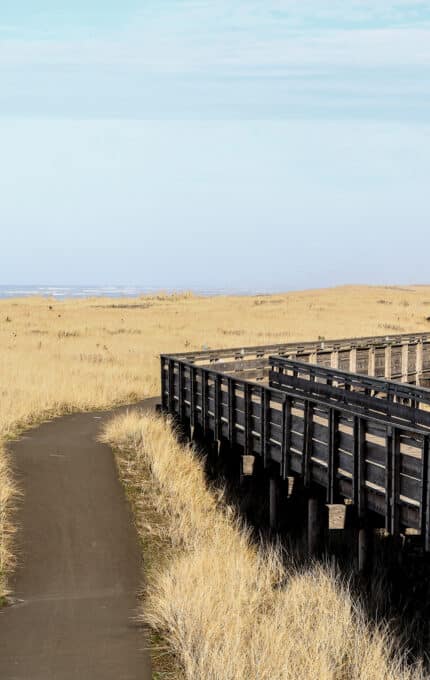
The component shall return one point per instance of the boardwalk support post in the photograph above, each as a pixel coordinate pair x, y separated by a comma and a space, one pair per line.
363, 550
248, 466
273, 503
313, 525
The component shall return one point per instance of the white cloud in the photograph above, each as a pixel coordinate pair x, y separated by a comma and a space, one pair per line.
212, 52
337, 50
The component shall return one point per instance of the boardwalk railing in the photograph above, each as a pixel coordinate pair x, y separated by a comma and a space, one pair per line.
400, 401
373, 450
403, 357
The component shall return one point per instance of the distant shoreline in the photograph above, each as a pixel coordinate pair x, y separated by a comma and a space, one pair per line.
81, 292
8, 292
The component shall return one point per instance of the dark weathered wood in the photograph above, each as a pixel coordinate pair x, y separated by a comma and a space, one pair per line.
204, 411
231, 410
343, 434
181, 390
395, 482
286, 437
164, 387
265, 425
386, 389
333, 456
359, 474
247, 407
171, 398
307, 443
352, 398
425, 498
217, 404
308, 348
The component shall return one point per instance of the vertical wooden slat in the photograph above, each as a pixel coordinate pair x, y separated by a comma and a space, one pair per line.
371, 370
204, 379
231, 384
217, 408
425, 494
358, 477
361, 469
286, 436
247, 409
192, 396
387, 370
353, 360
388, 476
419, 362
181, 389
171, 383
332, 463
334, 359
405, 362
307, 443
395, 482
265, 425
164, 387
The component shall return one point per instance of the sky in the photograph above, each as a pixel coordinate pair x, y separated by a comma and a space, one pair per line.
192, 144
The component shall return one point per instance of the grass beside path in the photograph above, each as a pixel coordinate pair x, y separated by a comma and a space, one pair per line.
157, 550
227, 609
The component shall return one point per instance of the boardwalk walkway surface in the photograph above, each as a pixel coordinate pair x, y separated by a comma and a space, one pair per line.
79, 561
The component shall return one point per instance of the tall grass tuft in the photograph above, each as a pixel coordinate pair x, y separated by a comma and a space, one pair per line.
8, 496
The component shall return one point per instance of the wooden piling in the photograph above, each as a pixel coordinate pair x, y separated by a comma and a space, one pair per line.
313, 525
273, 503
248, 465
363, 550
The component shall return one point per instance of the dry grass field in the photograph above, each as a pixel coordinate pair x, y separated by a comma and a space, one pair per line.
76, 355
227, 609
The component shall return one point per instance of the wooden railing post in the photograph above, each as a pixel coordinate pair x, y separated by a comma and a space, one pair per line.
425, 494
286, 437
164, 384
334, 359
231, 411
405, 362
419, 362
192, 401
387, 362
353, 360
180, 390
332, 463
371, 368
171, 384
307, 442
265, 425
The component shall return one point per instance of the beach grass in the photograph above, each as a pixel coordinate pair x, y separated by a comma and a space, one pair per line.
76, 355
226, 607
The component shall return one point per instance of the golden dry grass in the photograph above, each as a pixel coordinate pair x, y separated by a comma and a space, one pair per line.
77, 355
230, 610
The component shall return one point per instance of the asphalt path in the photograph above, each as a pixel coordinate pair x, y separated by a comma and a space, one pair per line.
79, 561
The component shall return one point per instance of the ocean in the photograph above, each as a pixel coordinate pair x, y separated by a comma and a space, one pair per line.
67, 292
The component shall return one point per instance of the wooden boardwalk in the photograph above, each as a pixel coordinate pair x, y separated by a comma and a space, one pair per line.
341, 416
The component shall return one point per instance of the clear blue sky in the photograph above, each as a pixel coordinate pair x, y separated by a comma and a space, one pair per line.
279, 144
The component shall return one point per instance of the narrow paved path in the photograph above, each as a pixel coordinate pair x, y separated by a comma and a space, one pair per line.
79, 561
